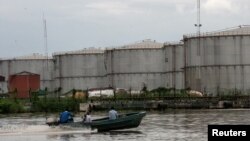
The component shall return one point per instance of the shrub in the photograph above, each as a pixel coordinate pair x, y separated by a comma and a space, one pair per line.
10, 106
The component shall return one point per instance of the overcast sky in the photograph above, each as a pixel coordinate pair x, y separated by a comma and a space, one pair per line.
78, 24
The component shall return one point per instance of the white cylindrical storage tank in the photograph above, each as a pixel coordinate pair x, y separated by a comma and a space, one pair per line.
136, 65
82, 69
174, 65
218, 62
35, 63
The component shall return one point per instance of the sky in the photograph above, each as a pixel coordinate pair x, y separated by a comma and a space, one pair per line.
78, 24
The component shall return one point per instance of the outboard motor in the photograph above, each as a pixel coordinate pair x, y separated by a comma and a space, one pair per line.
52, 121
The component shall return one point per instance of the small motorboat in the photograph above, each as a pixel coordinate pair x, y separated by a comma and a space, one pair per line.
124, 121
130, 120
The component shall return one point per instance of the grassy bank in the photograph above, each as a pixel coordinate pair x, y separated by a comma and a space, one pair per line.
55, 105
11, 106
159, 98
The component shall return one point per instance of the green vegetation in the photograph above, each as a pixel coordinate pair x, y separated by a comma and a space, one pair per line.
11, 106
54, 101
54, 105
40, 102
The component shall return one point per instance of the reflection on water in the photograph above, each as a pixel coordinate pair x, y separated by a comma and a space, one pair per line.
66, 137
124, 132
171, 125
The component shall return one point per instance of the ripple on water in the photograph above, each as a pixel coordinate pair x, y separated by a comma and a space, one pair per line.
7, 130
175, 125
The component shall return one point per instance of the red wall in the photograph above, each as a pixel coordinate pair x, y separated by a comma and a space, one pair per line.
23, 83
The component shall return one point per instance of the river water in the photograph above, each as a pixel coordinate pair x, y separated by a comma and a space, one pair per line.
170, 125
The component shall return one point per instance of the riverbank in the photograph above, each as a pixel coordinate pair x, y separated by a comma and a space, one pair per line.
51, 105
172, 103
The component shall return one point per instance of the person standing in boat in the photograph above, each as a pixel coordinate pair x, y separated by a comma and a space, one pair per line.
66, 117
113, 114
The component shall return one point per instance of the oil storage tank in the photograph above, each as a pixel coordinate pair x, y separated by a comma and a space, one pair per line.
218, 62
174, 64
83, 69
136, 65
35, 63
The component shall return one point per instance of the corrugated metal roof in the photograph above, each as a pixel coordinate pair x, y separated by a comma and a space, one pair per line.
239, 30
90, 50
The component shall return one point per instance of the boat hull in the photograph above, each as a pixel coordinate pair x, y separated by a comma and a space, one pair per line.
126, 121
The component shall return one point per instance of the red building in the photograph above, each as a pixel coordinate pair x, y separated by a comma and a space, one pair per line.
23, 82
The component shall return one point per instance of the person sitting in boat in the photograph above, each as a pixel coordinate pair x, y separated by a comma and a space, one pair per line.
113, 114
66, 117
87, 118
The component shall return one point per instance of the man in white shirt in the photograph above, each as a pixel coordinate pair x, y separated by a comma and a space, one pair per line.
87, 118
113, 114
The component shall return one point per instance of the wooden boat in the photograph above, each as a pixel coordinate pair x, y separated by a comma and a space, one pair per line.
125, 121
130, 120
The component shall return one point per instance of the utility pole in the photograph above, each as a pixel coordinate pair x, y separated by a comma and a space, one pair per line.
198, 25
45, 41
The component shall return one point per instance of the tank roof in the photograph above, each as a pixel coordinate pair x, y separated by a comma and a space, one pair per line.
90, 50
34, 56
147, 43
239, 30
173, 43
